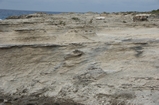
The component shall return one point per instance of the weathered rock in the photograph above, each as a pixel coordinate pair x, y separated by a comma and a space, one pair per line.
74, 59
141, 17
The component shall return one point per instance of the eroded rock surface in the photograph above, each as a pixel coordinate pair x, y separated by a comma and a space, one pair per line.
74, 59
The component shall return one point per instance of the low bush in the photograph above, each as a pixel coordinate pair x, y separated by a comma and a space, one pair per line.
75, 18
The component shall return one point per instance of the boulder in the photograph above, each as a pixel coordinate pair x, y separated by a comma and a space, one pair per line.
100, 18
141, 17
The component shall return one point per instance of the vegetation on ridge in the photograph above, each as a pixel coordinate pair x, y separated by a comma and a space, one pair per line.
155, 11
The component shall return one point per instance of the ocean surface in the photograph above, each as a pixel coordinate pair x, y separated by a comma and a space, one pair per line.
6, 13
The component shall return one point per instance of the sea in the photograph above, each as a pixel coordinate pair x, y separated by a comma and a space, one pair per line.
6, 13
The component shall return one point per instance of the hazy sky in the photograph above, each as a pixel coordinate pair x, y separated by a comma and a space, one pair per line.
81, 5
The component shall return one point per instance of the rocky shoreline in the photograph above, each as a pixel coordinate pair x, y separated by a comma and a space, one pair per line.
79, 59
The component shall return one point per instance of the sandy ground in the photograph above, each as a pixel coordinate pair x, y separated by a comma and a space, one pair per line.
77, 60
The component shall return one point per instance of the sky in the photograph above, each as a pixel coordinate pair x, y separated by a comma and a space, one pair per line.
81, 5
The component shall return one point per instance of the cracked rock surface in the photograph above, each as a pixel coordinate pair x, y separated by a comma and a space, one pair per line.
74, 59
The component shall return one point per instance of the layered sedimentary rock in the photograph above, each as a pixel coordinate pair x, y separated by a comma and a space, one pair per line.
74, 59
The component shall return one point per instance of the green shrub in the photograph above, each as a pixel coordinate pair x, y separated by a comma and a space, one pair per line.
155, 11
62, 23
76, 19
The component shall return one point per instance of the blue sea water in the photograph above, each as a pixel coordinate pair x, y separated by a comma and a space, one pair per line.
6, 13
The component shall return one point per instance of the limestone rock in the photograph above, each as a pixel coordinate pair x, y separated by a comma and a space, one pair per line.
76, 59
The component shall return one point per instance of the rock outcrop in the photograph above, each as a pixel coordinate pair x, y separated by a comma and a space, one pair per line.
74, 59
